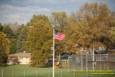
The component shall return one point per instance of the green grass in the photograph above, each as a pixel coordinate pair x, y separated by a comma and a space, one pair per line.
27, 71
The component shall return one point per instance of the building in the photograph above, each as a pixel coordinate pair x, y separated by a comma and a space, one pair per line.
19, 58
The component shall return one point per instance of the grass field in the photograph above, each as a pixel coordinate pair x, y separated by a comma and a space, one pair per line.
27, 71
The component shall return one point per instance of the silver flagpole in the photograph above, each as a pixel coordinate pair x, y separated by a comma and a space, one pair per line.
53, 73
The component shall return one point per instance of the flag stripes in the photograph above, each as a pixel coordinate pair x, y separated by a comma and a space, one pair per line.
59, 36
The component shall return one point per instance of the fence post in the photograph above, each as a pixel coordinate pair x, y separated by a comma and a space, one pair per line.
93, 59
108, 62
2, 73
12, 73
100, 61
81, 59
60, 73
24, 74
86, 61
36, 73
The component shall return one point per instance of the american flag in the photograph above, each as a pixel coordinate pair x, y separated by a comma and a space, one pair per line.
59, 36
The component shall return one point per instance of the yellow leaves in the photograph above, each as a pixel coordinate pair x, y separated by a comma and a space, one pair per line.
39, 39
4, 43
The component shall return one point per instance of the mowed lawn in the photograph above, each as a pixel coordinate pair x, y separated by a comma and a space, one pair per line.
27, 71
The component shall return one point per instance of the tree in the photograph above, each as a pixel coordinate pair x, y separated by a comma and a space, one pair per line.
97, 19
8, 31
11, 35
88, 28
4, 48
1, 27
21, 38
59, 21
71, 31
39, 39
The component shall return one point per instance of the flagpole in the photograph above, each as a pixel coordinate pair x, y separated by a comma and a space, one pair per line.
53, 68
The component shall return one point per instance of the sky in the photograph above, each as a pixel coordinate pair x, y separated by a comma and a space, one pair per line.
21, 11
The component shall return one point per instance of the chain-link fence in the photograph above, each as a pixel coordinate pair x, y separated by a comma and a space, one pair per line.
70, 67
86, 62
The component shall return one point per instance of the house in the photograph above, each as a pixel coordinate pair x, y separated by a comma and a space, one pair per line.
19, 58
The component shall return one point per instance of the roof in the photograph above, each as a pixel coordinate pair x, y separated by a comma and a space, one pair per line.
21, 54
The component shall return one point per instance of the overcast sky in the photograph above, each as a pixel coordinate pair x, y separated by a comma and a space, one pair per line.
21, 11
